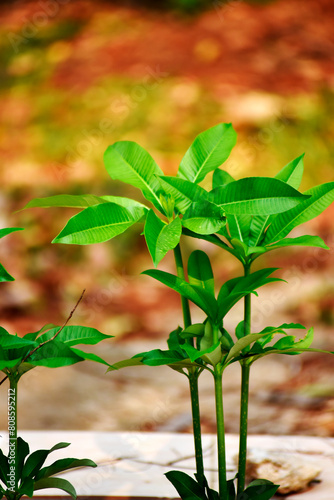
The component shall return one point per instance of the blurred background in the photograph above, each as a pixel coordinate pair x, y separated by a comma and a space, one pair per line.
78, 75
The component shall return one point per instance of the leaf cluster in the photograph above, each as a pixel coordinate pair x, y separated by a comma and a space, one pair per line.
31, 473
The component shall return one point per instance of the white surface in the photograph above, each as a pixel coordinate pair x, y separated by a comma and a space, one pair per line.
133, 464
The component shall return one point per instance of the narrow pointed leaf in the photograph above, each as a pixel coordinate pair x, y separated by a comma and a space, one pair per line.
62, 465
183, 192
242, 343
157, 357
56, 482
220, 178
135, 361
7, 230
161, 237
54, 354
208, 151
306, 241
256, 196
22, 453
4, 275
320, 198
96, 224
75, 335
196, 294
292, 173
66, 200
90, 356
200, 271
204, 218
260, 489
128, 162
186, 486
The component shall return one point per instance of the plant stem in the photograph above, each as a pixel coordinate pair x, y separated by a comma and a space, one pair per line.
245, 369
180, 273
218, 377
193, 378
196, 419
12, 425
243, 426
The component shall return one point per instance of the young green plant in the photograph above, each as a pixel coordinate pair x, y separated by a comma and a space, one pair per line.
22, 473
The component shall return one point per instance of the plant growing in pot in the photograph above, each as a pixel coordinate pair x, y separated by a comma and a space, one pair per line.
247, 218
22, 473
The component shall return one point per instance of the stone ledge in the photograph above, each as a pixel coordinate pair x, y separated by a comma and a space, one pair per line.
132, 464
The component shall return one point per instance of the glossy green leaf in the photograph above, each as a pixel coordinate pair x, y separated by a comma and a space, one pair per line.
183, 192
196, 294
200, 271
13, 341
27, 487
243, 343
239, 226
128, 162
4, 468
75, 335
208, 151
45, 328
306, 241
138, 210
66, 200
62, 465
233, 290
292, 173
158, 357
220, 178
135, 361
260, 489
89, 356
35, 461
4, 275
256, 196
54, 354
22, 453
186, 486
204, 218
320, 198
161, 237
96, 224
7, 230
56, 482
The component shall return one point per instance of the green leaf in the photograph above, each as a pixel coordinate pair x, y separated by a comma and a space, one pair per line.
183, 192
239, 226
256, 196
243, 343
320, 198
135, 361
96, 224
63, 465
157, 357
66, 200
75, 335
196, 294
204, 218
200, 271
22, 453
56, 482
89, 356
161, 237
27, 487
7, 230
307, 241
54, 354
186, 486
292, 173
4, 275
128, 162
220, 178
260, 489
13, 341
233, 290
208, 151
4, 468
138, 210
